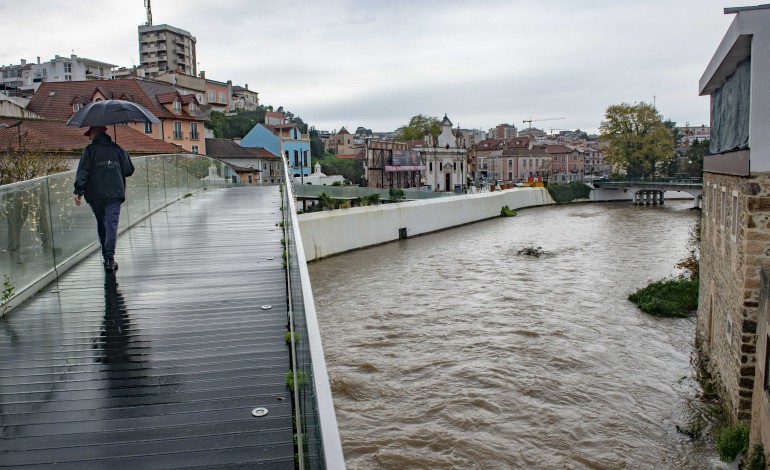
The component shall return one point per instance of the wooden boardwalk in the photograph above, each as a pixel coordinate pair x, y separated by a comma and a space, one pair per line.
160, 365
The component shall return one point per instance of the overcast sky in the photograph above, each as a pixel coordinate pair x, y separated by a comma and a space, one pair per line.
377, 63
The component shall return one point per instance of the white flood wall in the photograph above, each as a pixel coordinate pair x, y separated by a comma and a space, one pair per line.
332, 232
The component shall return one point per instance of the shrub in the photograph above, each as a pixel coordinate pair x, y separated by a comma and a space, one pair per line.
507, 212
562, 193
668, 297
397, 194
731, 441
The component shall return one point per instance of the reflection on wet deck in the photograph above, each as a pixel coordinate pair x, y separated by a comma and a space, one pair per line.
160, 365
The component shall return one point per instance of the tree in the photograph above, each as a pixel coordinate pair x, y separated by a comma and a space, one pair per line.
693, 158
316, 145
19, 163
417, 127
362, 131
638, 139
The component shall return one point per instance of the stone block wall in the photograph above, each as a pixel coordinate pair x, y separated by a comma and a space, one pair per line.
735, 245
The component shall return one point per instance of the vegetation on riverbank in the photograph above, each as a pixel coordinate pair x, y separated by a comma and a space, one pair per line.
676, 297
507, 212
562, 193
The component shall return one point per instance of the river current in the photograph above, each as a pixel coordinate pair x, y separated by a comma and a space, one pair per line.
451, 351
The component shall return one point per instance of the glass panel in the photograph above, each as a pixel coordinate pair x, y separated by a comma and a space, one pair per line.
25, 232
41, 227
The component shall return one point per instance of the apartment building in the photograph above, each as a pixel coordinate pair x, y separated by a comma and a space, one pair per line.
24, 79
164, 48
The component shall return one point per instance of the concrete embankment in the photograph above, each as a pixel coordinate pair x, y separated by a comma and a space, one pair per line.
332, 232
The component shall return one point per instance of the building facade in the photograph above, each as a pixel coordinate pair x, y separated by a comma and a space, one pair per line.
25, 79
445, 163
180, 115
164, 48
735, 234
285, 140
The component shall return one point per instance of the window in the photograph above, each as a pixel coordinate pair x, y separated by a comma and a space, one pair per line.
177, 106
193, 107
68, 78
304, 157
296, 158
767, 366
177, 129
77, 107
454, 166
723, 209
510, 162
714, 204
194, 149
193, 131
440, 166
67, 67
734, 214
430, 166
211, 96
264, 165
222, 97
148, 128
251, 179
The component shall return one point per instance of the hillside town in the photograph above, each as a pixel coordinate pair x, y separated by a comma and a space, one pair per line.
38, 97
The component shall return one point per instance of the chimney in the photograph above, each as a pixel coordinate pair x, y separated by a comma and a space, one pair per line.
23, 61
38, 60
247, 86
73, 56
203, 74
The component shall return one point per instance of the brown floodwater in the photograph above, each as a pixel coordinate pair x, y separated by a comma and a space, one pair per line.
450, 350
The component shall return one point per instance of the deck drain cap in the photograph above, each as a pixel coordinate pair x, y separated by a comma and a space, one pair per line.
259, 412
267, 307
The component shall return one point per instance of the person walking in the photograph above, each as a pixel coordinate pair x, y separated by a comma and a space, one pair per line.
101, 178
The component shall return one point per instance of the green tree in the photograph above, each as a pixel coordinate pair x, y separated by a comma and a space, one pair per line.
638, 139
693, 158
317, 147
362, 131
417, 127
350, 169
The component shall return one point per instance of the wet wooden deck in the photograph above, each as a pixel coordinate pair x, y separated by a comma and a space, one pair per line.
160, 365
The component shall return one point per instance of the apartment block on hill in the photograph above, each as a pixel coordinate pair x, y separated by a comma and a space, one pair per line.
164, 48
25, 78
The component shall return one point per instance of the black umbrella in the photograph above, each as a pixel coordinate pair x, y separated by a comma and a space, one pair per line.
106, 112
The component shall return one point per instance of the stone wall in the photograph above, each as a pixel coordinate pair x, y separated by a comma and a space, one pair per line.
735, 244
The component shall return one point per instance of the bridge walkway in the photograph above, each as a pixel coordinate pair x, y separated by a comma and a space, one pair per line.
161, 364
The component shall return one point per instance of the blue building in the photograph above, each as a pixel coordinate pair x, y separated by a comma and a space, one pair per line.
285, 140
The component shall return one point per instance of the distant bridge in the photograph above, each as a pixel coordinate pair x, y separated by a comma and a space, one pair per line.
649, 191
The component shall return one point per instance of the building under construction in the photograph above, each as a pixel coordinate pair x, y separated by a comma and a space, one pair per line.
392, 164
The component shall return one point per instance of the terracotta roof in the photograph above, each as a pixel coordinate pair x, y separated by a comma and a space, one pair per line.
558, 149
55, 136
261, 152
165, 98
537, 150
489, 144
343, 131
226, 148
53, 100
519, 142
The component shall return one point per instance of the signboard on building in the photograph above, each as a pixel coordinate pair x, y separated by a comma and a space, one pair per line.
406, 160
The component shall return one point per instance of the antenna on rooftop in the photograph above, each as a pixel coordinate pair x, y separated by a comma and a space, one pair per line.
149, 12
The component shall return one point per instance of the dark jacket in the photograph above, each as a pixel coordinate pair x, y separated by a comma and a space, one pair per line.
102, 170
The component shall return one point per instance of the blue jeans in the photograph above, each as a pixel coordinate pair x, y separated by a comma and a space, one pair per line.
107, 213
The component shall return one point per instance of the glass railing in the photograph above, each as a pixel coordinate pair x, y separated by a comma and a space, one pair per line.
318, 440
43, 232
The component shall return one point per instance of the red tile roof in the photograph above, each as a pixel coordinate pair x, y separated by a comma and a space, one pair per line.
55, 136
53, 100
558, 149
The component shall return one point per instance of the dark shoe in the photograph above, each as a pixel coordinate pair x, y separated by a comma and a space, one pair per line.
110, 265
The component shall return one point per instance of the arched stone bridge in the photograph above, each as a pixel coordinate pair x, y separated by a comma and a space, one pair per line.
651, 190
